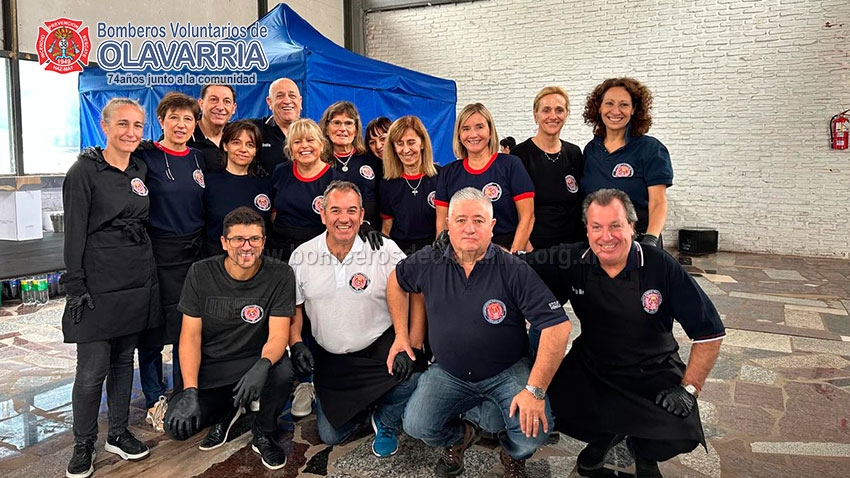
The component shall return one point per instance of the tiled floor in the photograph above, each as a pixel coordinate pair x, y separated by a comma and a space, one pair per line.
777, 403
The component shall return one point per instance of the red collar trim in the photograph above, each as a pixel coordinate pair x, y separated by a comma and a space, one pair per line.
412, 177
304, 179
478, 171
185, 152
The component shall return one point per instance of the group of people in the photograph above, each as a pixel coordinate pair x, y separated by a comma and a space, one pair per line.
279, 249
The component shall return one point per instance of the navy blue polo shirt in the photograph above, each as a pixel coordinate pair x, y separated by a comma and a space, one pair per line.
504, 180
298, 200
226, 191
476, 325
641, 163
413, 215
364, 170
176, 183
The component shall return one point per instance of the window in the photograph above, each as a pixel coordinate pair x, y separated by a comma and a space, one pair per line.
50, 115
7, 161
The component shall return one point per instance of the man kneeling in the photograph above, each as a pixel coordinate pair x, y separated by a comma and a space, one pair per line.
478, 298
236, 315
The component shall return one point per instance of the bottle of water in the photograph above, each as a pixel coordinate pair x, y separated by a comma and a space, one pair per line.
27, 293
41, 294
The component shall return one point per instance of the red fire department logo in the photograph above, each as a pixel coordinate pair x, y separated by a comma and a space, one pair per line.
623, 170
359, 282
493, 191
572, 184
63, 46
198, 176
262, 202
139, 187
252, 313
317, 204
494, 311
367, 172
431, 197
651, 301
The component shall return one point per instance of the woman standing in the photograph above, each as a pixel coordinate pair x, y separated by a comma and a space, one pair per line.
622, 156
344, 131
176, 181
500, 177
241, 183
376, 136
408, 188
111, 281
556, 168
298, 186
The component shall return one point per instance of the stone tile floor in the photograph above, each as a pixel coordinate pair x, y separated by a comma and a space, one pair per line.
777, 403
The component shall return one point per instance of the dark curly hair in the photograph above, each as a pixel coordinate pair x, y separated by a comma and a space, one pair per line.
641, 119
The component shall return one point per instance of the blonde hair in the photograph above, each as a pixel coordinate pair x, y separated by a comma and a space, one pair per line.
307, 128
393, 168
467, 111
347, 108
551, 90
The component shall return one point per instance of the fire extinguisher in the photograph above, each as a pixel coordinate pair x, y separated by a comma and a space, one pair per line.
839, 130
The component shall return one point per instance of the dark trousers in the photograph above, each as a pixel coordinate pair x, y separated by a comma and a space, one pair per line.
111, 360
651, 450
217, 403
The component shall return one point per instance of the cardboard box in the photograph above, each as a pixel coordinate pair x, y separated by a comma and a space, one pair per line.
20, 215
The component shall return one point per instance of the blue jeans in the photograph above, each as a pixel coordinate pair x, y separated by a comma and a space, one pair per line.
150, 374
390, 410
433, 410
112, 360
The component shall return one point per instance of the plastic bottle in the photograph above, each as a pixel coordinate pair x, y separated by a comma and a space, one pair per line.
27, 293
41, 295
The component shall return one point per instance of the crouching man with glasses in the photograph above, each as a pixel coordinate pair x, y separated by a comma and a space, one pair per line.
236, 310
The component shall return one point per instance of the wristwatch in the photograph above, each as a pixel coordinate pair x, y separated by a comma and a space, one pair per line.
536, 392
691, 389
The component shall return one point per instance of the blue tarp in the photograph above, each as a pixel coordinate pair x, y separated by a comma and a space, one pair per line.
323, 71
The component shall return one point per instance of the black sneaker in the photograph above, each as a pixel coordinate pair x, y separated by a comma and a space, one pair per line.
513, 468
592, 457
82, 461
127, 446
217, 435
646, 468
451, 461
274, 458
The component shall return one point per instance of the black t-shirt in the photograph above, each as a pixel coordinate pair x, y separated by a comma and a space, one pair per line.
271, 151
557, 192
225, 192
235, 314
213, 158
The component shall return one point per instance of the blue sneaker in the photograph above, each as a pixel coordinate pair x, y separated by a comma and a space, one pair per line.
386, 442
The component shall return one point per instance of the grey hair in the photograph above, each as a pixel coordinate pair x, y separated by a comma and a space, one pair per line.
339, 185
603, 197
471, 194
115, 103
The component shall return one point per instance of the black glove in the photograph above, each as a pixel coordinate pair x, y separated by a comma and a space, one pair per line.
441, 243
371, 235
676, 400
251, 384
402, 366
649, 240
302, 359
183, 418
76, 303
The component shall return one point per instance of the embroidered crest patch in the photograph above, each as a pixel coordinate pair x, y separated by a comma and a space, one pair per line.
262, 202
623, 170
494, 311
358, 282
252, 313
139, 187
493, 191
367, 172
651, 301
572, 184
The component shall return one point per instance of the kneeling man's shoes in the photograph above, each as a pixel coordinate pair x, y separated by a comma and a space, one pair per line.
592, 457
646, 468
513, 468
451, 461
217, 435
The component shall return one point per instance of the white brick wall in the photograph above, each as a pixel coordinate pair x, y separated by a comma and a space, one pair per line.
743, 93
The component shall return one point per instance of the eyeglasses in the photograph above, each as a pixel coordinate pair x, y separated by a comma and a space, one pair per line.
239, 241
339, 124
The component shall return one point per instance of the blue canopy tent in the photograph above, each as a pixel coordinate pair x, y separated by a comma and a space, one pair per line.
323, 71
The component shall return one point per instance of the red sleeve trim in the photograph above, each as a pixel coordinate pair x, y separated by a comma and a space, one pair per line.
384, 216
441, 203
520, 197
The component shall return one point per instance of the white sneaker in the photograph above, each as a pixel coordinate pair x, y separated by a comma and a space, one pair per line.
302, 400
156, 414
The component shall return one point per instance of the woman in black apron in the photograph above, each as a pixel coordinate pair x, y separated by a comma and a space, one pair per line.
111, 281
176, 226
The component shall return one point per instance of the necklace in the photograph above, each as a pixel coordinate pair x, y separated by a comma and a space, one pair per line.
414, 189
551, 158
345, 163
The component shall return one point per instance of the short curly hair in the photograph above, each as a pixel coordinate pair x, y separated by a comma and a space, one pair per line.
641, 119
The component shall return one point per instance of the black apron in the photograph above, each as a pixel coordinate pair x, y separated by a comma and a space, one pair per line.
347, 384
615, 369
174, 255
372, 213
285, 239
121, 278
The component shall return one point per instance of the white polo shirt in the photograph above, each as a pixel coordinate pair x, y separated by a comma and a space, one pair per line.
346, 301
